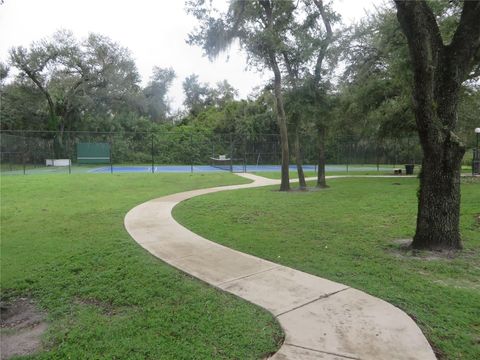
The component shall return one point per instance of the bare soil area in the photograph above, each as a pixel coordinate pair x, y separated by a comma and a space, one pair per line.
22, 326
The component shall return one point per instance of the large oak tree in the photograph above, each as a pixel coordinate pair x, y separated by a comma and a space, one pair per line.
439, 68
73, 75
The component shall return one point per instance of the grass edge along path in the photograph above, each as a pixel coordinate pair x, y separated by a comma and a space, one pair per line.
64, 245
348, 233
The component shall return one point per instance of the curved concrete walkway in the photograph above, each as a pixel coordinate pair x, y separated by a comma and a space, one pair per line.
321, 319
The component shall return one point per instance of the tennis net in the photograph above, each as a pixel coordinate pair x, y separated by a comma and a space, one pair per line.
228, 164
222, 163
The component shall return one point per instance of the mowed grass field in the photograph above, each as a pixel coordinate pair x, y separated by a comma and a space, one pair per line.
64, 245
353, 233
356, 170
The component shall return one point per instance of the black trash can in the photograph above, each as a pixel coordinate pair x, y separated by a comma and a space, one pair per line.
409, 169
476, 167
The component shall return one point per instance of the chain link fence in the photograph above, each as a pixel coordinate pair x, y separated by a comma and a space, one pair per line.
24, 152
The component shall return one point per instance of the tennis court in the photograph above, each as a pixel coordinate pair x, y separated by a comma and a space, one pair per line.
235, 168
171, 152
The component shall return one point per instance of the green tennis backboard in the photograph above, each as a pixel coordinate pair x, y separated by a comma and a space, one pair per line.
93, 153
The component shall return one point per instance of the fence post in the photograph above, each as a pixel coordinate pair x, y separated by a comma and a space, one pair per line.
244, 154
53, 145
111, 153
395, 154
23, 152
376, 156
69, 155
231, 153
153, 160
191, 153
348, 155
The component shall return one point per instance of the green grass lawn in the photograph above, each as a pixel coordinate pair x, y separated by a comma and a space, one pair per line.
63, 244
7, 170
355, 169
347, 233
294, 174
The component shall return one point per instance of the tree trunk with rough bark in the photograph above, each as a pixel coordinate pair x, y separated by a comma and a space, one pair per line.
439, 71
321, 126
439, 201
298, 161
321, 181
282, 124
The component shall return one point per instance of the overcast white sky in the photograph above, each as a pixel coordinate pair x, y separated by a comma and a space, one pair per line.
154, 31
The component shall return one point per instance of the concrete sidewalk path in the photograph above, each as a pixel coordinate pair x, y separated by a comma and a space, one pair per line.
321, 319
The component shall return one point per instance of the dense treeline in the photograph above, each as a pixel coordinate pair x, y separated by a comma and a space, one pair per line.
64, 84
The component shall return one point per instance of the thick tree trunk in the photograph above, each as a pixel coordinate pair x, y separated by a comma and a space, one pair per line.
282, 125
298, 161
321, 181
439, 71
438, 215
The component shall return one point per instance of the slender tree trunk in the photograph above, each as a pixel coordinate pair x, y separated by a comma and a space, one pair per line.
321, 181
282, 125
298, 161
281, 118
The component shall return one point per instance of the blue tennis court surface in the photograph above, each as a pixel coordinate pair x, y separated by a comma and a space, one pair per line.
236, 168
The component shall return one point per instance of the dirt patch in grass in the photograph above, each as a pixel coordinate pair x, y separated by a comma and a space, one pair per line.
22, 326
106, 308
403, 249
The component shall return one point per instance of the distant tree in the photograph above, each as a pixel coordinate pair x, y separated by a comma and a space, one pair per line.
223, 93
71, 75
306, 54
4, 70
200, 96
197, 94
259, 26
22, 107
441, 63
468, 111
375, 89
3, 75
156, 93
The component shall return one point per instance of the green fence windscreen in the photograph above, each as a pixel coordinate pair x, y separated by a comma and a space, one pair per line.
93, 153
